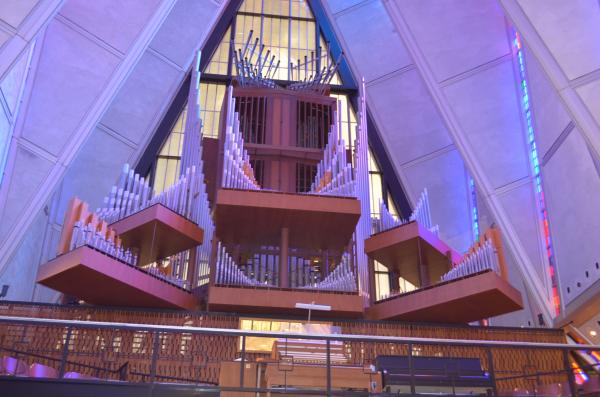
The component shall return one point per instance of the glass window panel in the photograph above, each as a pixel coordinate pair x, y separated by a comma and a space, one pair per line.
159, 175
376, 193
348, 120
251, 6
391, 206
301, 9
172, 172
405, 285
373, 167
220, 58
327, 59
379, 267
382, 285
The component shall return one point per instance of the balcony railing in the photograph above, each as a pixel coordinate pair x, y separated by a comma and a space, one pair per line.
112, 352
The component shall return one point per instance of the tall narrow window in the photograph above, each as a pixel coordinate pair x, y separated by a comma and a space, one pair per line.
537, 175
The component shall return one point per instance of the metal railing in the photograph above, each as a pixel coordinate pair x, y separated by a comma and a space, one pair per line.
193, 355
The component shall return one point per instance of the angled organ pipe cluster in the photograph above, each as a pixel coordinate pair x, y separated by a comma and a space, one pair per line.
334, 173
342, 278
84, 228
421, 214
228, 272
482, 257
132, 195
237, 171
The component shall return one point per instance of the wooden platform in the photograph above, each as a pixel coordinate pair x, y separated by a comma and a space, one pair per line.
158, 232
99, 279
257, 217
281, 301
402, 248
471, 298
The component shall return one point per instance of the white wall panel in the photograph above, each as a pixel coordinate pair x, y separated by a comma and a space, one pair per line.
473, 33
5, 134
12, 84
20, 23
13, 12
4, 37
487, 108
572, 190
94, 170
339, 5
409, 122
372, 41
520, 203
134, 110
590, 93
18, 274
570, 29
30, 170
186, 27
550, 115
72, 71
444, 178
116, 23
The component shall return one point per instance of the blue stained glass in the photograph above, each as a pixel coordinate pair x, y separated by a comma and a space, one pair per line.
536, 168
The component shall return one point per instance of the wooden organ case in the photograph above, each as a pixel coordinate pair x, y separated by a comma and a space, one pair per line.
284, 133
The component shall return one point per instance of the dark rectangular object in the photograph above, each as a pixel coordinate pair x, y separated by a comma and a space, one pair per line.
439, 371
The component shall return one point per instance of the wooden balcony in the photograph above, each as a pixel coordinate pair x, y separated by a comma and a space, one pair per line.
282, 301
158, 232
258, 217
99, 279
413, 252
471, 298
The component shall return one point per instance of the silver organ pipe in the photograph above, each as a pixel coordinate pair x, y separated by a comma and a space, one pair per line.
88, 234
483, 257
237, 171
340, 279
334, 173
228, 272
421, 214
363, 229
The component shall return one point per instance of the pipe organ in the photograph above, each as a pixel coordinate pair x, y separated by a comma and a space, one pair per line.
288, 214
287, 226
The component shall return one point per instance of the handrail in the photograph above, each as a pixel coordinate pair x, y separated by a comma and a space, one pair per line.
334, 337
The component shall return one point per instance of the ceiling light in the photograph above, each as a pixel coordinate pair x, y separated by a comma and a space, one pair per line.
593, 333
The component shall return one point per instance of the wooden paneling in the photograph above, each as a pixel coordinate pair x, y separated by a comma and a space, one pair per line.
283, 301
